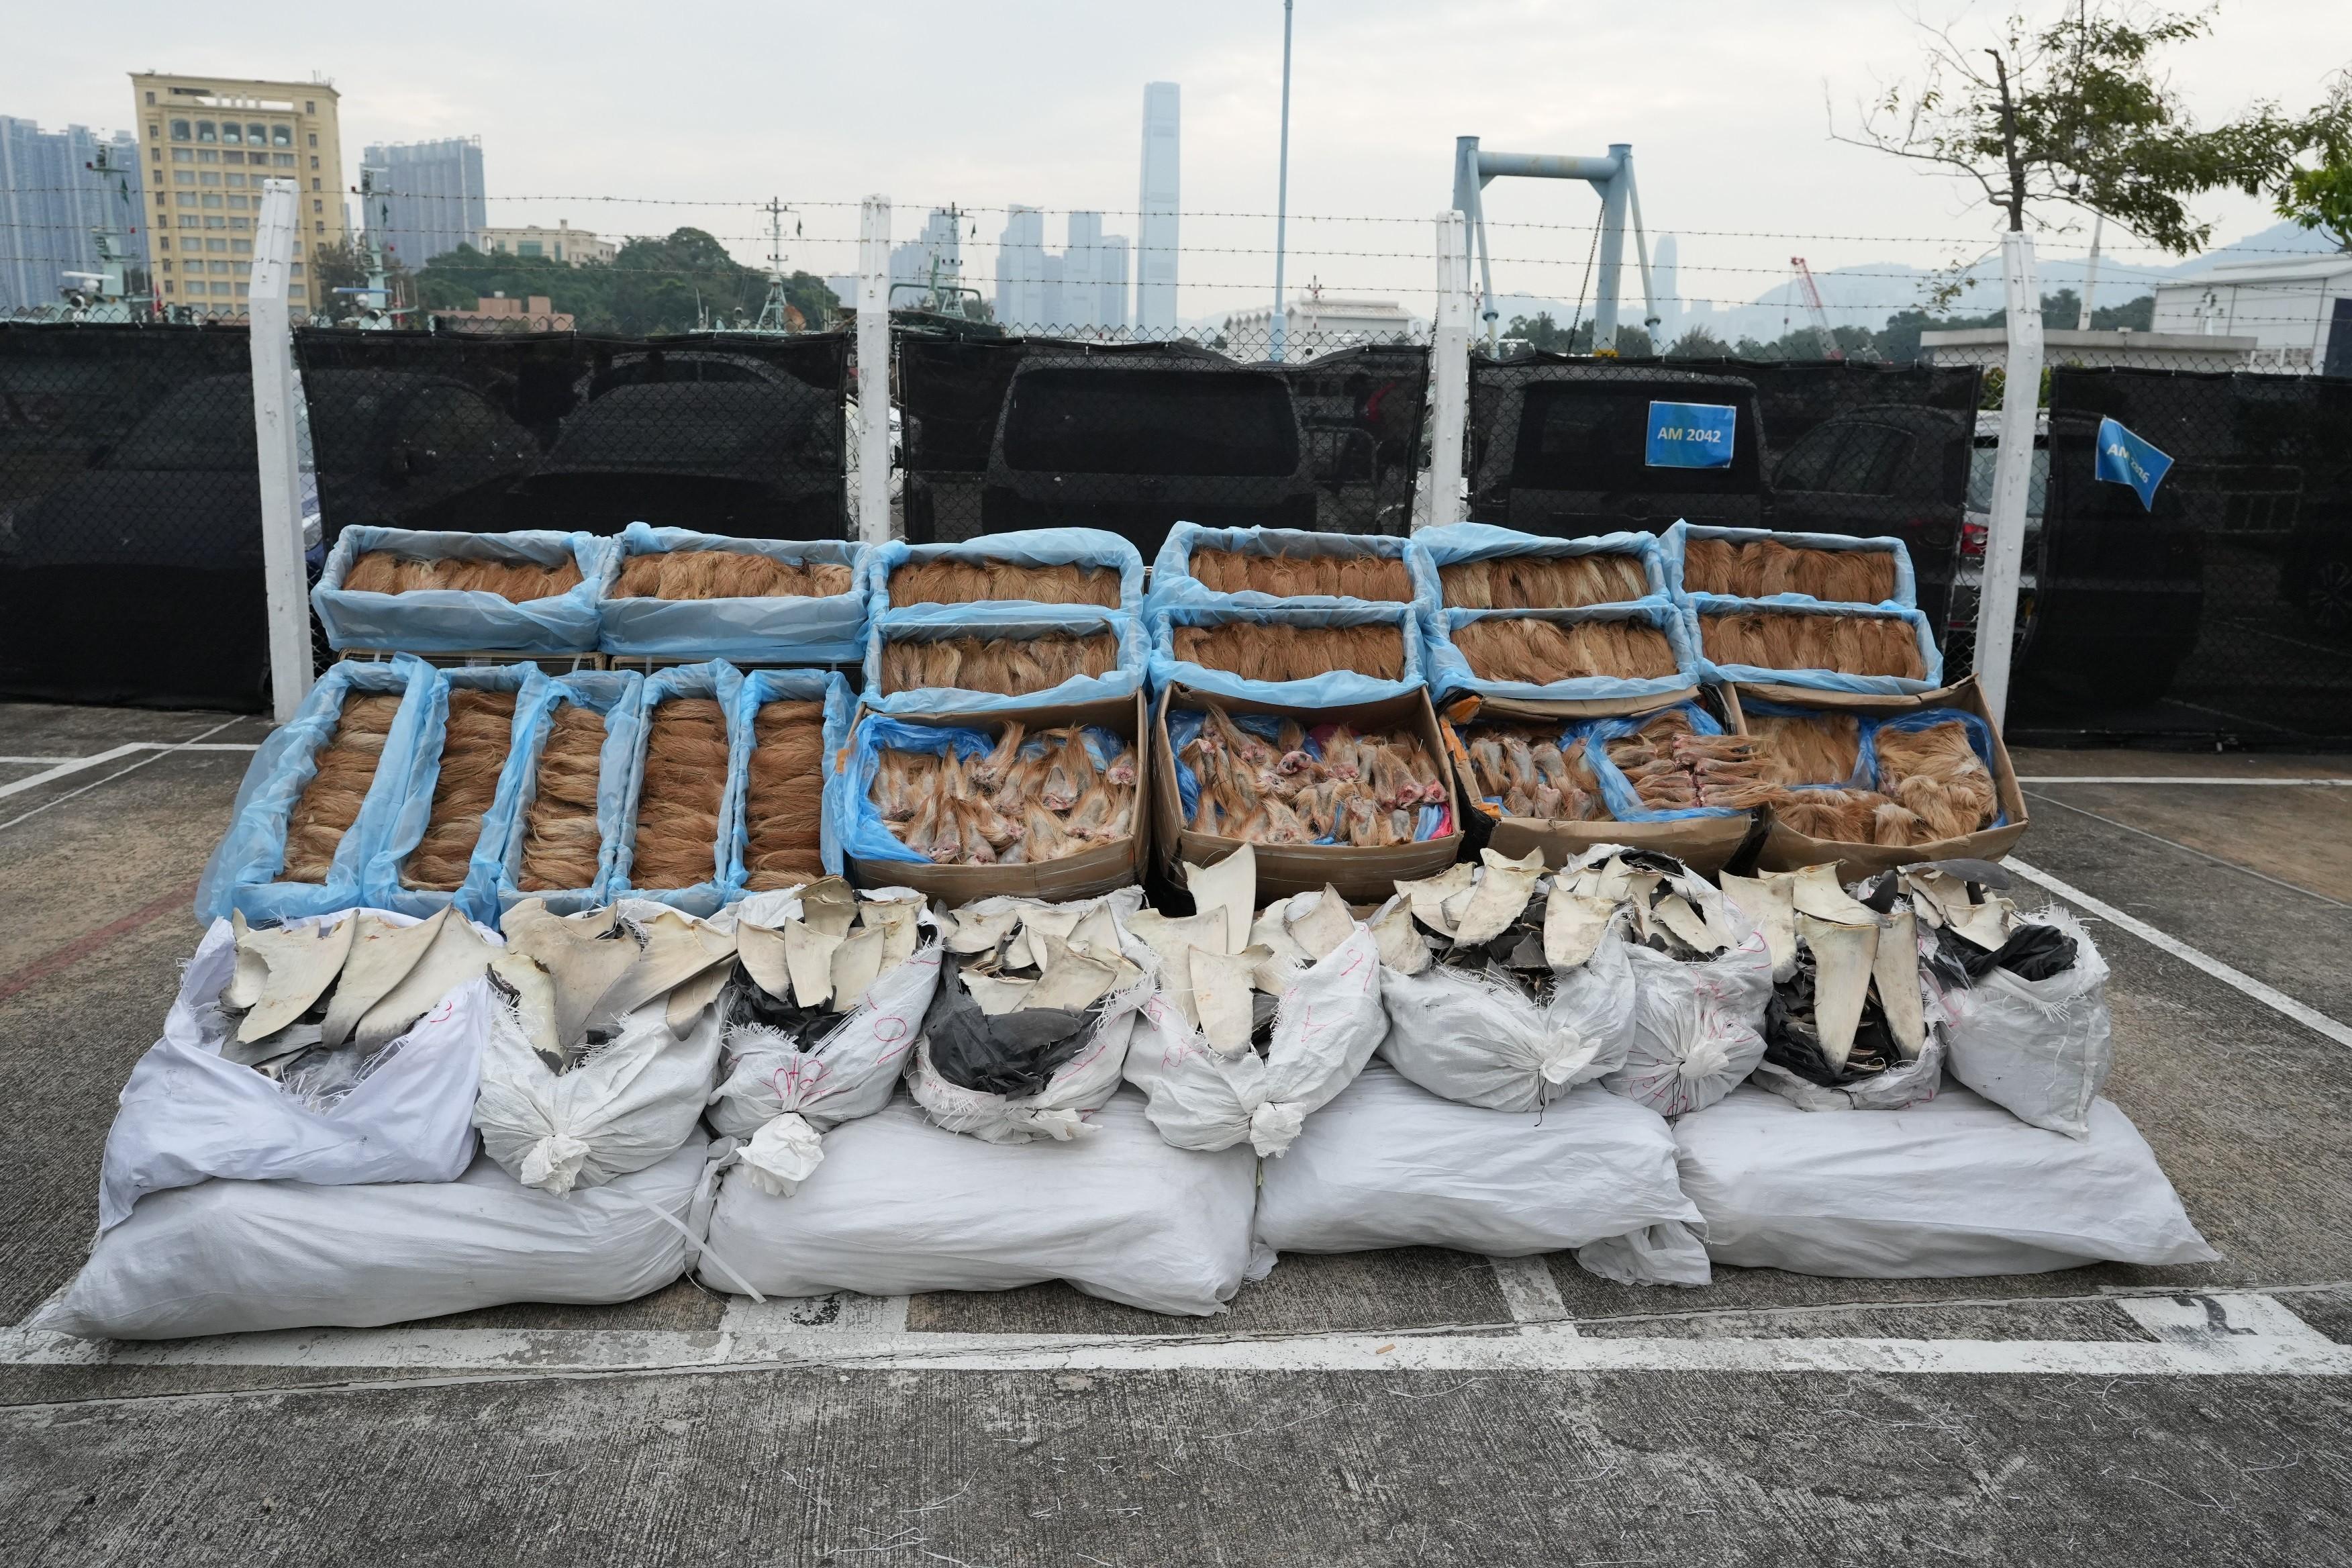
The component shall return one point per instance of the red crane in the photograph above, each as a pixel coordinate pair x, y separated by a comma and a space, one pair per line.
1813, 307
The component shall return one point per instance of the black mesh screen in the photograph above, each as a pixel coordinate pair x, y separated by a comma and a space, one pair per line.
727, 433
1559, 446
2222, 613
1013, 432
129, 517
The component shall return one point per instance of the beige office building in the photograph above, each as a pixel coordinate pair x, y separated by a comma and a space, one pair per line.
573, 246
208, 144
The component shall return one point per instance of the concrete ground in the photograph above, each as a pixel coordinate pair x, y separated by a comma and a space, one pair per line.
1419, 1406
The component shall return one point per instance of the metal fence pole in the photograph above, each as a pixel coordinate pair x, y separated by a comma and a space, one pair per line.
272, 340
874, 371
1449, 370
2004, 554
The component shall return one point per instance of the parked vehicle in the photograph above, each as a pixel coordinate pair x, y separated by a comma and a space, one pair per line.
1887, 470
1557, 451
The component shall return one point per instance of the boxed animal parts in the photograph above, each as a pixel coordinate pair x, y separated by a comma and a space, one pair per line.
577, 739
1791, 640
1482, 567
444, 846
529, 592
1310, 655
686, 786
1048, 804
1614, 652
683, 595
1757, 563
789, 725
1059, 567
1355, 796
968, 659
1262, 568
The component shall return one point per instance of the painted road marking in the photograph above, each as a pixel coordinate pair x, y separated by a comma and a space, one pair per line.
2185, 849
66, 766
1529, 1290
2268, 995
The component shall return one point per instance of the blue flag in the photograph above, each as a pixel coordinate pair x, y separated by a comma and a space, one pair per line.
2125, 459
1691, 436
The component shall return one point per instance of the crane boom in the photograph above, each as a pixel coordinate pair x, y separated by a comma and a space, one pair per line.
1814, 309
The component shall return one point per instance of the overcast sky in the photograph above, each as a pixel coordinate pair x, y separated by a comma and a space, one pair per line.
1041, 102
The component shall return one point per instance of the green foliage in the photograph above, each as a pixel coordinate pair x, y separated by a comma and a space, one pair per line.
1698, 343
336, 265
2320, 197
652, 285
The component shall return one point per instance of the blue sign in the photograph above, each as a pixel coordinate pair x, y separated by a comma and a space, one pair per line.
1691, 435
2125, 459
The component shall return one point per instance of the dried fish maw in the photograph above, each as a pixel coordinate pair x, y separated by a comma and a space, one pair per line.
762, 953
1843, 954
996, 994
690, 997
1072, 980
1574, 924
1221, 997
455, 956
857, 959
1228, 887
1402, 946
302, 963
1771, 901
382, 952
1501, 897
527, 988
584, 963
1816, 892
808, 956
1323, 926
1895, 970
981, 933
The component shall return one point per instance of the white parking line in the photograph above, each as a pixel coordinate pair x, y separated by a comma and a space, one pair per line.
66, 766
1529, 1290
2196, 1335
2268, 995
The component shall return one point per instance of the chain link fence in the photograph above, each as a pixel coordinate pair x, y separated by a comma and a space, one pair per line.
1013, 432
2220, 613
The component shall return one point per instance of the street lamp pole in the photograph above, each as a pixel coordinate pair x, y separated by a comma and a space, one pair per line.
1282, 197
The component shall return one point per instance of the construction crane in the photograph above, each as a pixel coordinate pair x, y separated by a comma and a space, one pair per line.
1813, 307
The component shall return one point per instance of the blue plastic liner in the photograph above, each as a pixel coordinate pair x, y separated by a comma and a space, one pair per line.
1932, 657
996, 621
476, 897
1450, 673
1454, 542
614, 694
722, 683
1329, 689
1031, 547
1979, 736
242, 874
1173, 584
760, 688
1674, 540
1184, 723
448, 620
1864, 775
849, 800
828, 629
1617, 790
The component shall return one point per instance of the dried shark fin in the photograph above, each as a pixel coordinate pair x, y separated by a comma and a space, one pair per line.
1842, 972
1574, 925
1072, 980
302, 963
1402, 946
1499, 899
1674, 912
808, 958
1429, 895
829, 906
1326, 923
996, 994
252, 973
1771, 901
1173, 941
1284, 958
676, 948
981, 933
582, 962
1816, 892
688, 1000
383, 952
1221, 995
456, 956
1894, 968
900, 923
1228, 887
762, 953
857, 959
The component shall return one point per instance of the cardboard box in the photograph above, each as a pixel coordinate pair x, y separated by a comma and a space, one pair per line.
1785, 849
1359, 875
1102, 870
1703, 843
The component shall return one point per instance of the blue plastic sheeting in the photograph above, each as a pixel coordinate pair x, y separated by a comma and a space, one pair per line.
449, 620
478, 896
1031, 547
1000, 621
805, 629
1862, 777
1452, 543
1979, 736
242, 874
613, 693
1449, 674
1173, 584
1184, 724
1673, 542
849, 798
1931, 657
1330, 690
722, 683
760, 688
1616, 790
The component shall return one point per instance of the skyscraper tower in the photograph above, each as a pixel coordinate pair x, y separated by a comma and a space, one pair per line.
1155, 268
1669, 293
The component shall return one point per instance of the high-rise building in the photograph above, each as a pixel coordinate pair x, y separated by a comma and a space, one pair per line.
1669, 296
1021, 270
50, 200
210, 142
428, 197
1155, 260
1093, 278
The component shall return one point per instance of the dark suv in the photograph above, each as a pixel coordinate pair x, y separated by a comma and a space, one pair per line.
1565, 455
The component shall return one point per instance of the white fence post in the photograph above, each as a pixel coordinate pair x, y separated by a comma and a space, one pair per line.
874, 371
1449, 370
272, 340
2012, 476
